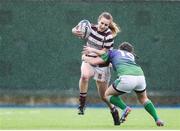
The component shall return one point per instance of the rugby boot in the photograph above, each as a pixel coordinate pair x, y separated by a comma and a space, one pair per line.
81, 110
125, 114
159, 122
115, 116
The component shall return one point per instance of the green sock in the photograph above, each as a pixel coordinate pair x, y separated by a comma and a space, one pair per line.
151, 109
117, 101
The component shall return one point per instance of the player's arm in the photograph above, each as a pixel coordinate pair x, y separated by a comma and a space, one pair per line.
87, 50
77, 32
92, 60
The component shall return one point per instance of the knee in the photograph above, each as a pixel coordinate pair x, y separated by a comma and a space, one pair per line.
104, 98
85, 78
106, 94
143, 100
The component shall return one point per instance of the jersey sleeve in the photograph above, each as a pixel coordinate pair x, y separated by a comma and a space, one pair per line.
105, 57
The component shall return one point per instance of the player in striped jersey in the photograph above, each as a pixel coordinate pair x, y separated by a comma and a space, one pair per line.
130, 77
101, 38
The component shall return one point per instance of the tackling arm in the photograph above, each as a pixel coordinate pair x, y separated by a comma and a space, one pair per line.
87, 50
92, 60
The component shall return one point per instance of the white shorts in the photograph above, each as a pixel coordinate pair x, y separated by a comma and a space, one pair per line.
127, 83
102, 74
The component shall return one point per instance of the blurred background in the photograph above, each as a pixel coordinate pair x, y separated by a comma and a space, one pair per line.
40, 59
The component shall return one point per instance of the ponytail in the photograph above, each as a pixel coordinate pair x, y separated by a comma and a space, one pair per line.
114, 28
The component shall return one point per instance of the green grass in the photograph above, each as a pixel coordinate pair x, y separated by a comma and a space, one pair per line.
95, 118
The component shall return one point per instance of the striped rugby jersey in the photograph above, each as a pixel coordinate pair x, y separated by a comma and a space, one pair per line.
100, 40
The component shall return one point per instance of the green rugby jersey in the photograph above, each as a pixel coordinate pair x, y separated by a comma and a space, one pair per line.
123, 62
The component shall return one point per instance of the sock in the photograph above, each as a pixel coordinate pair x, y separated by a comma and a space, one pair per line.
151, 109
113, 109
117, 101
82, 99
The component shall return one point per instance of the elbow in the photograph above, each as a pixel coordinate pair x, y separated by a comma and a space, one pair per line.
73, 30
93, 63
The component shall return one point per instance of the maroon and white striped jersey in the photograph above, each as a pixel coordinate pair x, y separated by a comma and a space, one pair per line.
100, 40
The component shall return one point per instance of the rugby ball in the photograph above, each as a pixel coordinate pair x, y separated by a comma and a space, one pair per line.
85, 27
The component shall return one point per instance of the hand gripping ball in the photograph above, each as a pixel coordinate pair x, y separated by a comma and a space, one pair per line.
85, 28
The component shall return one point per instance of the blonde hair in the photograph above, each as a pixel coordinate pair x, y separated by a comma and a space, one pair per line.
113, 26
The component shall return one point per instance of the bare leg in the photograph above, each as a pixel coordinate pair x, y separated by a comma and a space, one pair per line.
86, 74
102, 87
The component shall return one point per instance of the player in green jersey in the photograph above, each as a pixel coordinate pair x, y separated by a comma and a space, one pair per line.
130, 77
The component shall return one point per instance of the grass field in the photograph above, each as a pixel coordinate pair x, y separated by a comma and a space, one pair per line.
95, 118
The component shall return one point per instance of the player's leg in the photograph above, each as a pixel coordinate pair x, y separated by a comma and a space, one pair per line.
86, 73
149, 107
144, 100
102, 86
102, 76
112, 95
124, 84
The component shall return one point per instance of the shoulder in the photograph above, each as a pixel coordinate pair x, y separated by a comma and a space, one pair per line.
94, 27
110, 52
109, 35
113, 52
108, 32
